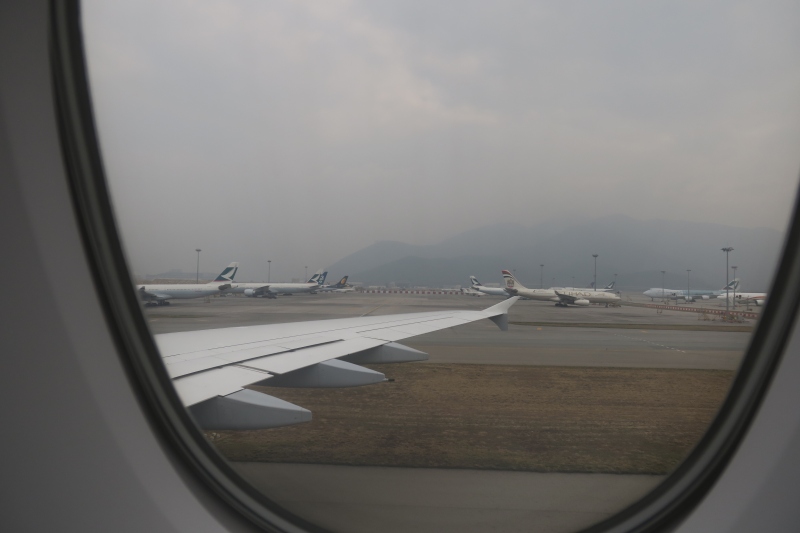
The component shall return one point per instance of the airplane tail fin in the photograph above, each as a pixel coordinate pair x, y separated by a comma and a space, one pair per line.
321, 279
315, 277
610, 286
475, 282
511, 281
228, 273
732, 286
342, 282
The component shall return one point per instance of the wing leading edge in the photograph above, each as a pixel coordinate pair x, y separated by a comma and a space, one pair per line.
210, 368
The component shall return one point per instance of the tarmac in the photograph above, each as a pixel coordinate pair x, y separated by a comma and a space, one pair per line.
622, 336
398, 500
343, 498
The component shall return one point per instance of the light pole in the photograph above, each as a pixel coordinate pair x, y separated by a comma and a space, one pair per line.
306, 272
595, 271
269, 269
727, 250
688, 290
734, 286
662, 284
615, 280
541, 276
197, 279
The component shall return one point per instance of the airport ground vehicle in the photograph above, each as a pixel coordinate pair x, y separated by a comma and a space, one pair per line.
92, 447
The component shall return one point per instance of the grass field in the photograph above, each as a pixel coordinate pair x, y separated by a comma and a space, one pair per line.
546, 419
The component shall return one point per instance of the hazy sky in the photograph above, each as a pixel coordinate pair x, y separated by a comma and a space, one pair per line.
303, 131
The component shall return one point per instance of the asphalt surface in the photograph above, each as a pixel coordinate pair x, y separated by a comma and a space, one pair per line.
570, 344
397, 499
394, 500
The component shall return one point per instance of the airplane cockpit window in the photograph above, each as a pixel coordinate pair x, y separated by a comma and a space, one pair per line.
451, 266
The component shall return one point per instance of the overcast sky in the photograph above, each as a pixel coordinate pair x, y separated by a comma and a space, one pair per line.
303, 131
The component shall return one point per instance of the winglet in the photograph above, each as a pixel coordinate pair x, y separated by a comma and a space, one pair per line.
498, 313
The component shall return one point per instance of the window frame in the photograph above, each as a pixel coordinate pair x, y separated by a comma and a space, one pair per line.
661, 509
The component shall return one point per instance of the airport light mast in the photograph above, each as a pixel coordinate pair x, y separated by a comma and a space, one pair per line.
727, 250
595, 271
197, 278
541, 276
306, 278
662, 284
269, 269
688, 290
734, 287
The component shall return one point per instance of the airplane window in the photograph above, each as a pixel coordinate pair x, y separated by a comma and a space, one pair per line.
419, 266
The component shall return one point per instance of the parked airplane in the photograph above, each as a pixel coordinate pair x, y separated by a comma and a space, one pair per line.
562, 297
161, 294
469, 291
492, 291
318, 354
607, 288
340, 286
272, 290
693, 294
746, 298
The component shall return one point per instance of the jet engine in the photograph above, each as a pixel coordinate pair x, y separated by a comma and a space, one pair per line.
581, 302
705, 297
250, 293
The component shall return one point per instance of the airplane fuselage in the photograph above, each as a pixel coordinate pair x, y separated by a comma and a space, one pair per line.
681, 294
177, 291
594, 297
492, 291
258, 289
544, 295
746, 298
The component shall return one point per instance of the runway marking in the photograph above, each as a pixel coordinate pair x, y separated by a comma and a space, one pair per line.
652, 343
373, 310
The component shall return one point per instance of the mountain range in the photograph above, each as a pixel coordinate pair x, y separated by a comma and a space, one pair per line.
635, 250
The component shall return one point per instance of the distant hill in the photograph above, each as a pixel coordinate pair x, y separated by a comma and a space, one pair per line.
636, 250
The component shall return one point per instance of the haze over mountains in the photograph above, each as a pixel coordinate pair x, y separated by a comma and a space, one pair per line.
636, 250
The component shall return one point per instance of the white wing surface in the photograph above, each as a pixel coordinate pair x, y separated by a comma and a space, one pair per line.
210, 368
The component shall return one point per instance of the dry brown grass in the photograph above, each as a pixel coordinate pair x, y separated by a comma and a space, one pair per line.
561, 419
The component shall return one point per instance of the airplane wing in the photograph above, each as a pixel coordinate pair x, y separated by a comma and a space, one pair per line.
146, 295
258, 291
210, 368
566, 298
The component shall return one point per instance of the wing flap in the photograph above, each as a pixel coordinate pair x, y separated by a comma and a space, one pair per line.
289, 361
195, 388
